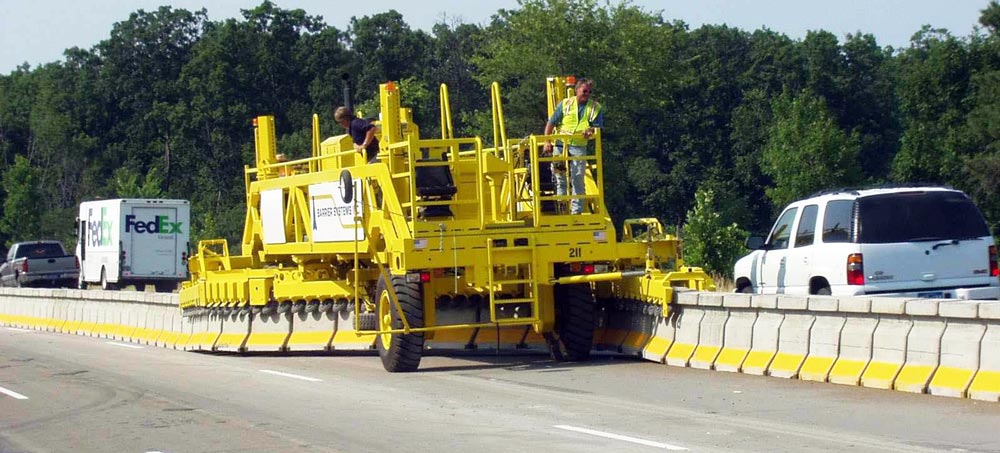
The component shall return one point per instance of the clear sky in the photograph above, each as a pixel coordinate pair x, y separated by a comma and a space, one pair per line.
37, 31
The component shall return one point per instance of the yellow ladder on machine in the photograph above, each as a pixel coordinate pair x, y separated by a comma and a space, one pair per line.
529, 279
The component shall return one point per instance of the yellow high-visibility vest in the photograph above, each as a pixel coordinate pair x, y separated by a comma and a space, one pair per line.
572, 124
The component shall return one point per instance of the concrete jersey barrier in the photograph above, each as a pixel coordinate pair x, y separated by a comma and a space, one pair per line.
941, 347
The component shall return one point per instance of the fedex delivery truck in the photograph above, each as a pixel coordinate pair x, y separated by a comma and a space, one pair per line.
133, 242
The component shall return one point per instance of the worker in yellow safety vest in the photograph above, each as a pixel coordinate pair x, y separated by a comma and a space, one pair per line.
574, 115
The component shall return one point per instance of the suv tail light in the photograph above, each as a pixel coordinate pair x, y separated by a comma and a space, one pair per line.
77, 259
994, 270
24, 266
855, 269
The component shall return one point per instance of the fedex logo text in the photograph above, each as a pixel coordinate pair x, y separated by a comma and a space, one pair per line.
160, 225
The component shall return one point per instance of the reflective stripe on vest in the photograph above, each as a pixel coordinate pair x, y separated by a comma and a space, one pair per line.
572, 124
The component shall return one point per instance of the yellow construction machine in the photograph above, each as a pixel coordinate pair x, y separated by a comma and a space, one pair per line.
438, 243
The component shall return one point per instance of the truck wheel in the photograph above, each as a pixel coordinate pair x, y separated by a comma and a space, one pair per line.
165, 287
105, 284
400, 352
574, 330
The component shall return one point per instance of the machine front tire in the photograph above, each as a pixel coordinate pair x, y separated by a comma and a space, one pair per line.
400, 352
574, 322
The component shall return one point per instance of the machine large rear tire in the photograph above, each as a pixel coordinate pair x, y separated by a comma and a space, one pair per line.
574, 330
400, 352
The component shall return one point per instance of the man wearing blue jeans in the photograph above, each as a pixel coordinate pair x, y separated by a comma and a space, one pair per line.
574, 115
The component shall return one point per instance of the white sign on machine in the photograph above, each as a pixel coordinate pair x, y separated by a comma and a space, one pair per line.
272, 215
332, 216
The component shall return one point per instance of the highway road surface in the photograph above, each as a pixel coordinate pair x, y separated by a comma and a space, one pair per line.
62, 393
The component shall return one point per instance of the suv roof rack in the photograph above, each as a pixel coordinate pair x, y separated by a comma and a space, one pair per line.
855, 190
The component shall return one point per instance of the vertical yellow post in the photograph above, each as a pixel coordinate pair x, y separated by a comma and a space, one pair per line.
392, 130
446, 127
266, 145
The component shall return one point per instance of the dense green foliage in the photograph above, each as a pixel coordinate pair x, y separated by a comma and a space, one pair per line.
163, 107
707, 240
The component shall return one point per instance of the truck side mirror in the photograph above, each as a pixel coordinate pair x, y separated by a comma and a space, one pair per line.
754, 242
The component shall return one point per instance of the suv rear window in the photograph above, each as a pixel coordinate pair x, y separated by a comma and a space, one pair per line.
918, 216
837, 221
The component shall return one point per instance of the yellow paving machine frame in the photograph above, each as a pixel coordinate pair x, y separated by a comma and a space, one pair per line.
436, 235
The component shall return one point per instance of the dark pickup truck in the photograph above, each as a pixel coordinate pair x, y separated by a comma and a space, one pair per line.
39, 263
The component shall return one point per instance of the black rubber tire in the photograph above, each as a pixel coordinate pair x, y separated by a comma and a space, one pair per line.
404, 351
824, 291
165, 287
745, 289
346, 186
574, 329
105, 284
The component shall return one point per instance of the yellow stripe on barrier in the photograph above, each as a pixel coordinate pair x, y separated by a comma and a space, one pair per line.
956, 379
143, 335
71, 327
914, 378
349, 340
706, 354
85, 328
269, 339
152, 335
312, 338
847, 372
183, 340
635, 341
168, 339
816, 368
732, 358
656, 349
57, 325
105, 330
202, 340
127, 332
232, 341
880, 375
757, 362
786, 362
986, 386
680, 352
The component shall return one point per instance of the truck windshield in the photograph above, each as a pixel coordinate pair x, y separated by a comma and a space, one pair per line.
919, 215
48, 250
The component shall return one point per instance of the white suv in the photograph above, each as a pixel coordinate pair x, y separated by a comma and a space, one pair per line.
905, 241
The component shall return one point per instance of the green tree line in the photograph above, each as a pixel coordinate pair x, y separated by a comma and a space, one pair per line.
748, 120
